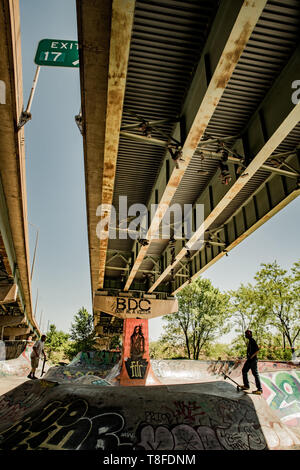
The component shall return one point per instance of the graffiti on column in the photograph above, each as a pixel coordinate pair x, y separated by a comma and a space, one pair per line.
136, 365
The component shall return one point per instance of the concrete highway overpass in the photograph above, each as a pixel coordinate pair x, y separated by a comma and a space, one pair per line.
184, 103
16, 314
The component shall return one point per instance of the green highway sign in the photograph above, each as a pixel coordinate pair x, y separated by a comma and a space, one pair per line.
57, 53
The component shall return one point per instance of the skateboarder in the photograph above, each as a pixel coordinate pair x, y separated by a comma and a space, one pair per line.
37, 350
251, 363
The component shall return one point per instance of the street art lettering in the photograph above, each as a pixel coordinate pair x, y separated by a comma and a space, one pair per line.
181, 437
66, 426
128, 435
132, 305
237, 428
74, 424
282, 392
11, 410
136, 307
95, 357
136, 369
188, 411
65, 374
124, 307
153, 416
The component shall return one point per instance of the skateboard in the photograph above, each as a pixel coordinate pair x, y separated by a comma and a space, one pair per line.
43, 369
238, 386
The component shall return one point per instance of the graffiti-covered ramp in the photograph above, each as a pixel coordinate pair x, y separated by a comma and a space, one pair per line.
210, 416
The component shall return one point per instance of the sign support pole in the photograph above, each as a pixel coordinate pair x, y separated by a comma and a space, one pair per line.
26, 115
78, 120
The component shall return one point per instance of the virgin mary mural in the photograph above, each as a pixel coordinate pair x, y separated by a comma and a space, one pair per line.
136, 365
137, 343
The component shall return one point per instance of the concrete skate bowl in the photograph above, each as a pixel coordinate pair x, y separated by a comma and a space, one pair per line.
208, 415
93, 367
280, 381
43, 415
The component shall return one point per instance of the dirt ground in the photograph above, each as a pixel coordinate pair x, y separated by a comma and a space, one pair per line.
10, 382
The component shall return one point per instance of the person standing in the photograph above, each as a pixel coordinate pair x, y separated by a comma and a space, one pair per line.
37, 350
251, 364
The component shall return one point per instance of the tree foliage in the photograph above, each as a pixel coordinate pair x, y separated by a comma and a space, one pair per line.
115, 342
201, 317
271, 309
56, 342
165, 350
278, 299
82, 333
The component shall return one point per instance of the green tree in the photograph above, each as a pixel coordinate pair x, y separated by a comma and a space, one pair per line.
247, 314
56, 343
165, 350
82, 333
201, 317
217, 351
270, 308
245, 311
278, 300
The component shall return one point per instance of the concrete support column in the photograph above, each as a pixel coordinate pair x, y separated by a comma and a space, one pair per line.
136, 368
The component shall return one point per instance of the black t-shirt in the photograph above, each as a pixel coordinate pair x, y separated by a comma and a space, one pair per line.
252, 348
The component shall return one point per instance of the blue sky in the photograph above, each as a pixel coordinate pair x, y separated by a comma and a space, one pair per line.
56, 186
55, 169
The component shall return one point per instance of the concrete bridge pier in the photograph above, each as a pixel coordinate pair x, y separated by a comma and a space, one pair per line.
136, 368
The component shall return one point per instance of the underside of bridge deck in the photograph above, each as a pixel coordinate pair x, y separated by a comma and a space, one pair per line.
16, 313
183, 103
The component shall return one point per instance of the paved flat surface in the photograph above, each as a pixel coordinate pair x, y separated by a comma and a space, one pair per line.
9, 383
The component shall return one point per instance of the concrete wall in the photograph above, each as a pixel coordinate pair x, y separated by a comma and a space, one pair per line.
13, 349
